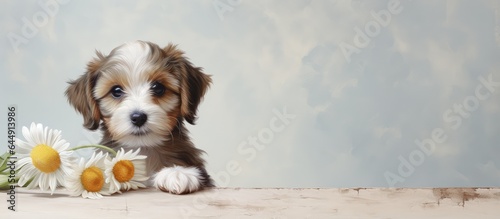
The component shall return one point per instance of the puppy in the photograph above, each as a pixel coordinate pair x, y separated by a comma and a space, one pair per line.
139, 96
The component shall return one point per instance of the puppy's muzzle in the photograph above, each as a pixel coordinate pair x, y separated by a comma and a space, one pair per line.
138, 118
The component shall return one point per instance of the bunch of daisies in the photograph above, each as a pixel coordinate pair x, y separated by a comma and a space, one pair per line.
46, 162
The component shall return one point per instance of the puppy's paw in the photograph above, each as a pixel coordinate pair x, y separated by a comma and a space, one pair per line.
178, 179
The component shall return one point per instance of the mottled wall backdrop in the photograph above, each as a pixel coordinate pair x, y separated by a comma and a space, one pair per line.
339, 93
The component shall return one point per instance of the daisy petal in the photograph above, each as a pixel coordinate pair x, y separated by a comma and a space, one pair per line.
52, 164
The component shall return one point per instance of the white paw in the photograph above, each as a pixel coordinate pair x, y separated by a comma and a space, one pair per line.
178, 179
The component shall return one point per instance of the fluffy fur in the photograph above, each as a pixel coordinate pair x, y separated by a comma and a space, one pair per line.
139, 96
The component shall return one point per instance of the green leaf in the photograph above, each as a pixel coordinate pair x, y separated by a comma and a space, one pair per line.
3, 161
4, 182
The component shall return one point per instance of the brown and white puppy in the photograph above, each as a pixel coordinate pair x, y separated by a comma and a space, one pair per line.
140, 95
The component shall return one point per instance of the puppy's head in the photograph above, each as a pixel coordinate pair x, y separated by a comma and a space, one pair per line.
139, 92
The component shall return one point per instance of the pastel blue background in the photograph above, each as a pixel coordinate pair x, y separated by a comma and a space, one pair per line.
355, 121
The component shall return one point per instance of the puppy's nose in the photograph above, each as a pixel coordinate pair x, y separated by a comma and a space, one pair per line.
138, 118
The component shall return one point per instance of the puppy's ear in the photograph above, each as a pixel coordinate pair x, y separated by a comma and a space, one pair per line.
80, 94
193, 82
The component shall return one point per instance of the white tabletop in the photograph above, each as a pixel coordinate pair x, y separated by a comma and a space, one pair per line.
264, 203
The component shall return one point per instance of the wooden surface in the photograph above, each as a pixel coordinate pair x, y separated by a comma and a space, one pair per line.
264, 203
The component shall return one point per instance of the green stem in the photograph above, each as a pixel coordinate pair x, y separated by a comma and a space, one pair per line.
95, 146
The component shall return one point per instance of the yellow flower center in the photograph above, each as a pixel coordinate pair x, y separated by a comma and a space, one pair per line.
45, 158
123, 170
92, 179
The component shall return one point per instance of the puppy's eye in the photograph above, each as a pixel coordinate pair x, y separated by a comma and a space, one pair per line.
157, 88
116, 91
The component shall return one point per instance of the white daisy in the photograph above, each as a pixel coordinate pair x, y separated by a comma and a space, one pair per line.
88, 178
43, 158
126, 171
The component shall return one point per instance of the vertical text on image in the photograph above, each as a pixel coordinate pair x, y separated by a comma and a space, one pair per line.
11, 163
